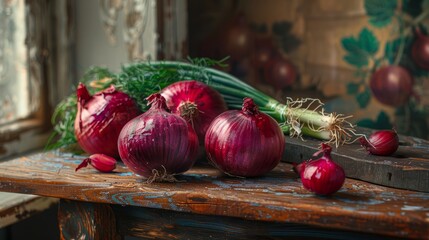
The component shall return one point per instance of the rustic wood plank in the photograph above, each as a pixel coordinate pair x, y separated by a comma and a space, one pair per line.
16, 207
408, 168
82, 220
161, 224
276, 197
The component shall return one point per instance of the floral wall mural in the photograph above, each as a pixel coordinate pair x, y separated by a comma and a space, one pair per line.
368, 58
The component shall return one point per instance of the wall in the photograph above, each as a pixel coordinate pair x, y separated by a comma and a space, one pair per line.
134, 35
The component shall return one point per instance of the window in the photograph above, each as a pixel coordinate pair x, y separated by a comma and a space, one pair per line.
34, 70
47, 45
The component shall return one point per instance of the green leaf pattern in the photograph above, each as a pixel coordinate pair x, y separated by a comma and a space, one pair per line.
360, 49
380, 12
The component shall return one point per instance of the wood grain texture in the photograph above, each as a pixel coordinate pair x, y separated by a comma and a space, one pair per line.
17, 207
82, 220
276, 197
147, 223
407, 169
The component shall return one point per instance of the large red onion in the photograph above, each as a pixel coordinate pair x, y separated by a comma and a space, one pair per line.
245, 143
196, 102
158, 144
100, 118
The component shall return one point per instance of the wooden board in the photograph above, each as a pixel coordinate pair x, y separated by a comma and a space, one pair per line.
83, 220
408, 168
276, 197
17, 207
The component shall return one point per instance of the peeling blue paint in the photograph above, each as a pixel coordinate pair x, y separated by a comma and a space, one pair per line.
73, 160
255, 204
152, 196
173, 206
412, 208
125, 174
280, 208
365, 202
221, 184
154, 205
124, 199
52, 166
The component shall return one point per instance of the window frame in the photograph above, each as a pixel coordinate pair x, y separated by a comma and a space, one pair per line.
49, 41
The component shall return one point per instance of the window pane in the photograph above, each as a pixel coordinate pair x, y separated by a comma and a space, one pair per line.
14, 81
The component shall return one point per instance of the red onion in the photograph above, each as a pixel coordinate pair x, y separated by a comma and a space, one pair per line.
382, 142
196, 102
245, 143
280, 72
392, 85
420, 50
158, 144
101, 162
236, 38
322, 176
262, 52
100, 118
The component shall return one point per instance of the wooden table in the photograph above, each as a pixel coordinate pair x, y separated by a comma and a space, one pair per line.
15, 207
206, 204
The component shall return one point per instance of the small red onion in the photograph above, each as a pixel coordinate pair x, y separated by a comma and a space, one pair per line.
236, 38
280, 72
101, 162
322, 176
196, 102
382, 142
100, 118
245, 143
158, 144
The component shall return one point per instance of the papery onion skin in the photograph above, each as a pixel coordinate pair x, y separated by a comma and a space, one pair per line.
100, 118
246, 143
322, 176
382, 142
101, 162
158, 140
196, 102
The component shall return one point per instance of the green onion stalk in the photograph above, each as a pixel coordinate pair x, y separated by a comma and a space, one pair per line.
301, 117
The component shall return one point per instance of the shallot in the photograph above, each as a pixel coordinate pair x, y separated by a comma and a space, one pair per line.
101, 162
382, 142
322, 176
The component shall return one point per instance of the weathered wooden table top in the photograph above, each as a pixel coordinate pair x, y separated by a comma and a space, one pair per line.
278, 196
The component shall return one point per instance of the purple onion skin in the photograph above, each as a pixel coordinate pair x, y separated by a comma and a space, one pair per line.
100, 118
322, 176
208, 102
382, 142
158, 140
101, 162
244, 143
